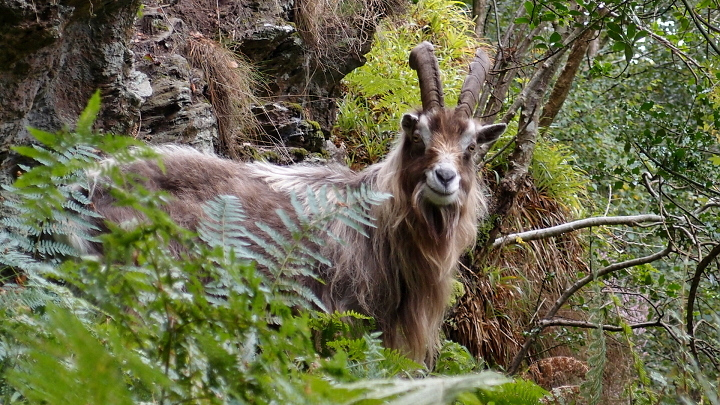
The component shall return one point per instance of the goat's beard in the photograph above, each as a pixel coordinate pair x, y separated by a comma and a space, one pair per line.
440, 220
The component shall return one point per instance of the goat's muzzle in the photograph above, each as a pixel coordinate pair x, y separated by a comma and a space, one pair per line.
442, 184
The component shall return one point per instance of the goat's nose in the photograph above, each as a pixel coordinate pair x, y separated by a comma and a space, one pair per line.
445, 175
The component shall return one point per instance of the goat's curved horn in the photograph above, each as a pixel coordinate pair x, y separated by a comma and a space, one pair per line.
423, 60
469, 95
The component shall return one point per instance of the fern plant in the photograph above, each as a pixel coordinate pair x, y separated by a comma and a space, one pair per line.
50, 202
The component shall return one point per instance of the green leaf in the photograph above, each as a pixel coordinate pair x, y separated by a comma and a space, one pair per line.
89, 114
629, 53
616, 36
631, 30
529, 7
73, 368
556, 38
46, 138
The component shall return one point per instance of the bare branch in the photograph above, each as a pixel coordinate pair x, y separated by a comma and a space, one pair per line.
570, 291
505, 69
685, 58
544, 323
480, 10
539, 80
704, 33
714, 202
674, 173
631, 220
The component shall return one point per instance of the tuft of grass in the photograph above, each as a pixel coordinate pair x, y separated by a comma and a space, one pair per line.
230, 81
331, 29
555, 174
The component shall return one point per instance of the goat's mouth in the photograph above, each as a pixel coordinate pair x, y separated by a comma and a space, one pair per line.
439, 196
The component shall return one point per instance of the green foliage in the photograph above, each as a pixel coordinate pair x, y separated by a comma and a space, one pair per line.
53, 193
385, 87
145, 325
455, 359
555, 173
643, 125
516, 392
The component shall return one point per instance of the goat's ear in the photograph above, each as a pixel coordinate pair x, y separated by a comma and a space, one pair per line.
489, 133
408, 122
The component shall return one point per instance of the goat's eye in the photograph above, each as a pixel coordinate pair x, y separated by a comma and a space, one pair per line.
416, 138
471, 148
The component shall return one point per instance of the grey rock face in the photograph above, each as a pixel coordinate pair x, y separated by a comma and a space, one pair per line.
55, 53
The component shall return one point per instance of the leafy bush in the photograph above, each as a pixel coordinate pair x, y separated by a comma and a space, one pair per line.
142, 325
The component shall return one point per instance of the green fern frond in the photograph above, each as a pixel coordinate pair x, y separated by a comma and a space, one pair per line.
223, 223
53, 248
79, 207
294, 252
16, 297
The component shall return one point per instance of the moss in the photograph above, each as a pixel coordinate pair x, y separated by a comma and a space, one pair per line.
160, 26
483, 230
295, 108
315, 125
269, 155
299, 154
458, 290
323, 154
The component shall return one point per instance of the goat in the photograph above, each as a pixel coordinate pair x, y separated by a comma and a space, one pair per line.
402, 273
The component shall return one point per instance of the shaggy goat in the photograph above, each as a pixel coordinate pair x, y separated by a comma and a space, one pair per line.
402, 273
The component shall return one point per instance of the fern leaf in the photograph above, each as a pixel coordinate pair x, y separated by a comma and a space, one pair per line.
79, 207
278, 241
52, 248
288, 222
88, 115
223, 225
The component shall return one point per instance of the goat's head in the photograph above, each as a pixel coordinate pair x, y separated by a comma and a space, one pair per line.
438, 144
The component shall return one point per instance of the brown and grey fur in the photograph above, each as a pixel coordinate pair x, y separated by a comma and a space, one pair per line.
401, 274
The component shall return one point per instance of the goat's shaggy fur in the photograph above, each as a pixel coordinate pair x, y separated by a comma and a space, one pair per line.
402, 273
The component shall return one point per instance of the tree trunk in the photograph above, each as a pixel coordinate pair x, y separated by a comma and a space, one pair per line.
565, 80
480, 11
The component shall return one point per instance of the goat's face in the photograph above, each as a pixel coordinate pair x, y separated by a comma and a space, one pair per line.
438, 152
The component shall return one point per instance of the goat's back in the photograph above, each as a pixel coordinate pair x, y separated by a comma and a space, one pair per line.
192, 179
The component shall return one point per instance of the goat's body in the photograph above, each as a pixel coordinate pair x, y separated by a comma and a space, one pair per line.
400, 275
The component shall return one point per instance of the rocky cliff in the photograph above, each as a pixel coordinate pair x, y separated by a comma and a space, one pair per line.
216, 74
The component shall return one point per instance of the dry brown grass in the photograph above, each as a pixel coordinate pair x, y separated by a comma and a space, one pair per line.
508, 286
333, 29
231, 82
